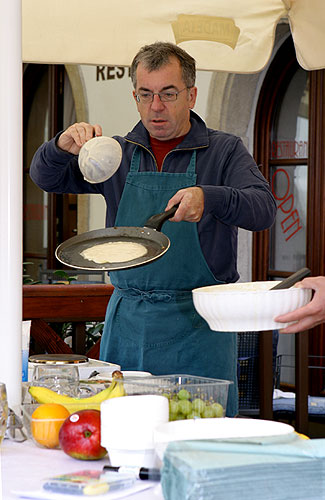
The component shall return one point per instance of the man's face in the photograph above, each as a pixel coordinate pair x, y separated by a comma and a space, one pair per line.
165, 120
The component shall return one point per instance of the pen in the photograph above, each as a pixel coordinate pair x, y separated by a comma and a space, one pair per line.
139, 472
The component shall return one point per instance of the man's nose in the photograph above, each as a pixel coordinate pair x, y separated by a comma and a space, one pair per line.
156, 103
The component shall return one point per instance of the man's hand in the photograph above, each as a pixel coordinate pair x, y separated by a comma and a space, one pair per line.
311, 314
76, 135
191, 204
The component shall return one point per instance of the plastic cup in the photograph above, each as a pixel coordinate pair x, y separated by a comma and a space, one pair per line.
127, 428
25, 349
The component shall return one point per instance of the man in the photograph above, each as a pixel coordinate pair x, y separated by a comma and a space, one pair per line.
310, 315
169, 158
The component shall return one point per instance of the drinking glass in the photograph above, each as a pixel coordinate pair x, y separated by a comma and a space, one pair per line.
63, 379
3, 411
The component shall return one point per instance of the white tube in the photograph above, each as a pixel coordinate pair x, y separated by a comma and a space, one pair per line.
11, 199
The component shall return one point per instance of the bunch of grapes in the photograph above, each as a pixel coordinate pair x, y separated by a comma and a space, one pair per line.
182, 406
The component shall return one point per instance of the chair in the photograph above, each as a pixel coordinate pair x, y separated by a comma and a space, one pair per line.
78, 304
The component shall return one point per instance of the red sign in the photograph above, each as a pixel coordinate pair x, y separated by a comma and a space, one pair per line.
291, 222
289, 149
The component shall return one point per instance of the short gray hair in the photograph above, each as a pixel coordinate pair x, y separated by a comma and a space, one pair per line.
158, 54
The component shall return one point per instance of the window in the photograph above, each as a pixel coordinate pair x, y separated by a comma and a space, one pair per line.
289, 176
289, 146
48, 219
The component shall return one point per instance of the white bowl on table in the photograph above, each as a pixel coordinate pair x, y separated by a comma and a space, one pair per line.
245, 307
216, 428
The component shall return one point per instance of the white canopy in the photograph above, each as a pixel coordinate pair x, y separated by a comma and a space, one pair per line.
225, 35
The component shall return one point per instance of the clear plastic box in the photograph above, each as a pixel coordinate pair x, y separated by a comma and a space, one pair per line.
189, 396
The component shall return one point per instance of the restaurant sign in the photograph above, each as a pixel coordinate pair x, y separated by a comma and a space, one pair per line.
289, 149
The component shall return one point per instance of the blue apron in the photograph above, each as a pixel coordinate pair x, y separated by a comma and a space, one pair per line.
151, 323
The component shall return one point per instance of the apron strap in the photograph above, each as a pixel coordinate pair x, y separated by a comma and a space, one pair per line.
135, 161
191, 165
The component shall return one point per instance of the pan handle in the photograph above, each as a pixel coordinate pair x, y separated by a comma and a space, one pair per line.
294, 278
156, 221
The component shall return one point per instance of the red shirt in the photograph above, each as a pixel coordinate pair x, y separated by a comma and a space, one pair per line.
161, 148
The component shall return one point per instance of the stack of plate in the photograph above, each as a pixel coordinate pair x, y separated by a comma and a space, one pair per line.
274, 466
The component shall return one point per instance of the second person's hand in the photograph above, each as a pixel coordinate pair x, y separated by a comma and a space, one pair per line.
310, 315
75, 136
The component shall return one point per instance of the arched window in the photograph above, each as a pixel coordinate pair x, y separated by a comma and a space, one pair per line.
289, 145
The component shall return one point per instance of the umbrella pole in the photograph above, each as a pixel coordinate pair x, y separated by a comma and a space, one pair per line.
11, 199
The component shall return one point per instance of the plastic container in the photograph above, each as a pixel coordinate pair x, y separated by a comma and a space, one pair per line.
189, 396
44, 431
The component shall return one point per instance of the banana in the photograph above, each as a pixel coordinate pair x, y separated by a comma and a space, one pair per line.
117, 391
45, 395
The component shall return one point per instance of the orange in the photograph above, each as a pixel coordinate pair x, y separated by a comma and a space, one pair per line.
46, 422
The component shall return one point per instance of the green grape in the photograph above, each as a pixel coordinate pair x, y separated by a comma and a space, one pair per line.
208, 412
183, 394
218, 409
173, 407
179, 416
185, 406
198, 405
194, 414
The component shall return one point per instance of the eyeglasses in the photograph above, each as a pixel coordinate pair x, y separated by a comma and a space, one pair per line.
167, 96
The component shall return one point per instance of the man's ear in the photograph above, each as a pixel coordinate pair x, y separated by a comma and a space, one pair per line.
192, 95
136, 100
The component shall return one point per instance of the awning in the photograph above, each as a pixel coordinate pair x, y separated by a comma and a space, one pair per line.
225, 35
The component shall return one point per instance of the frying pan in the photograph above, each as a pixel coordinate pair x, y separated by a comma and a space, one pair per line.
156, 243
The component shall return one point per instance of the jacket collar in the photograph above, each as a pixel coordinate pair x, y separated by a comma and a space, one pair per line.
197, 137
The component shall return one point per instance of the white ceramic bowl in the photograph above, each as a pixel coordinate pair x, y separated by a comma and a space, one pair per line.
216, 428
245, 307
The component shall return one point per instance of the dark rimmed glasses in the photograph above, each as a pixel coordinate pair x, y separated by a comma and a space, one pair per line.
165, 96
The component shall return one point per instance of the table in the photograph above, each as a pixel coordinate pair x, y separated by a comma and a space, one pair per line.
24, 465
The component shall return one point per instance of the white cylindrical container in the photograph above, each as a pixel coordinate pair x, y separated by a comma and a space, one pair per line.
127, 428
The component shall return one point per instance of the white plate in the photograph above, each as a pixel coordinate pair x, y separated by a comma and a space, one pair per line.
216, 428
136, 374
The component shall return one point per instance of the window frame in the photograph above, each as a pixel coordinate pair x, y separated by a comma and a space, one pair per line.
281, 71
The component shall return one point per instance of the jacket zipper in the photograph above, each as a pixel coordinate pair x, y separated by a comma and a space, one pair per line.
171, 151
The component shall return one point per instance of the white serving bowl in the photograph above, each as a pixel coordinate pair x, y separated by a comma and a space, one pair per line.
245, 307
216, 428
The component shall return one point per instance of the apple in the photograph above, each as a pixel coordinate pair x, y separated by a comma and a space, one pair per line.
79, 436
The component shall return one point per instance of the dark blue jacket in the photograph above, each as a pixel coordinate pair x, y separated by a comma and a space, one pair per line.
235, 192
